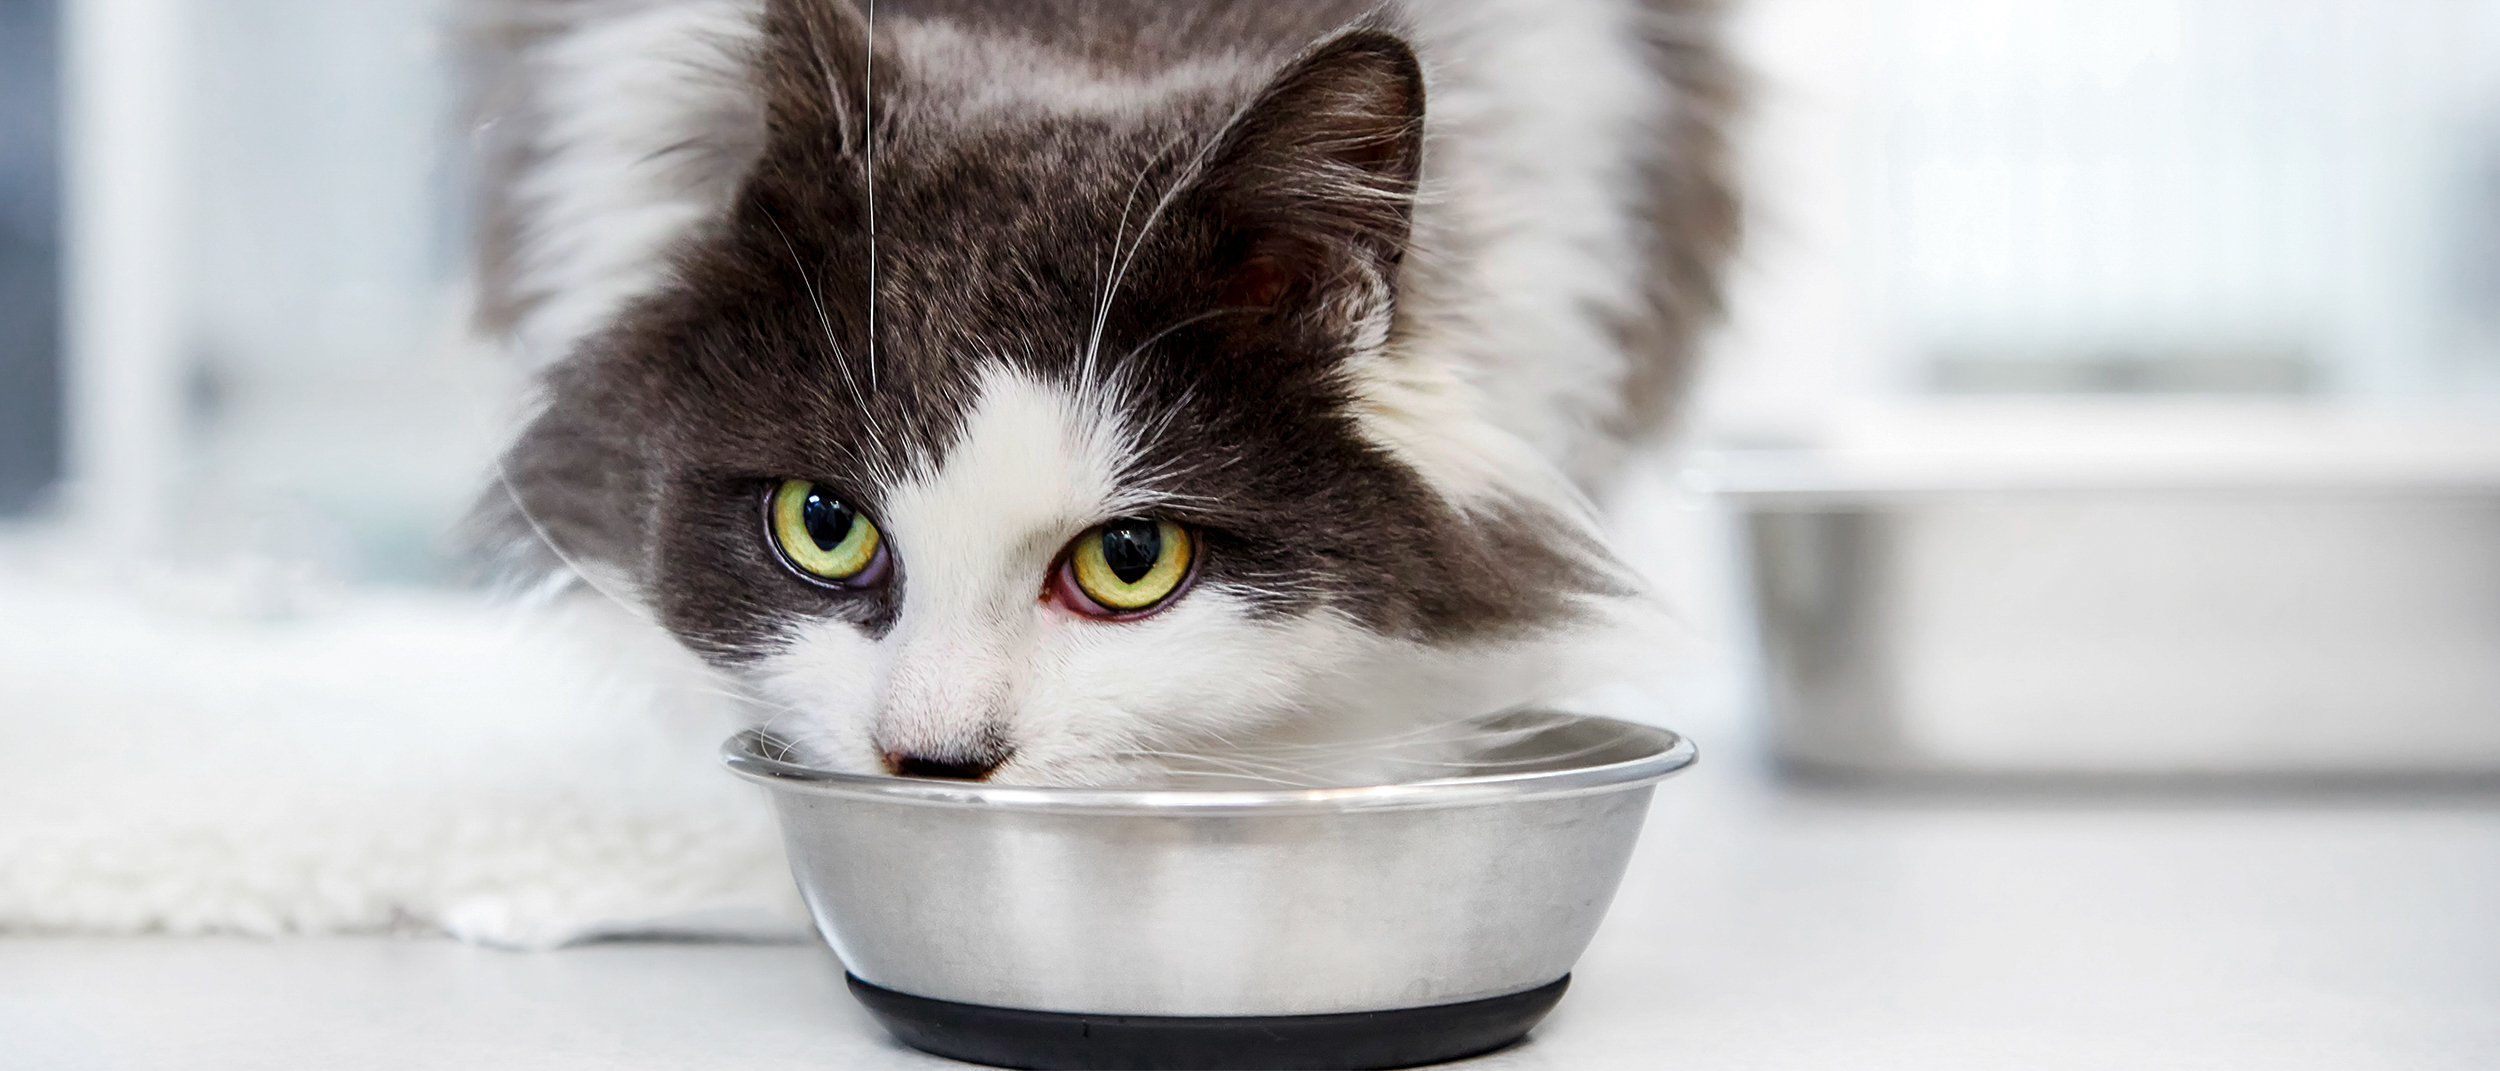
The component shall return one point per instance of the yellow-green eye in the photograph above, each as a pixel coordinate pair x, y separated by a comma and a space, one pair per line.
820, 533
1131, 564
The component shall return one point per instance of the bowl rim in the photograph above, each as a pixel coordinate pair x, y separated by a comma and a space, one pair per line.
1668, 754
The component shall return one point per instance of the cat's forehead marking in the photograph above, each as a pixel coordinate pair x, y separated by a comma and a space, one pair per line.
987, 76
1031, 463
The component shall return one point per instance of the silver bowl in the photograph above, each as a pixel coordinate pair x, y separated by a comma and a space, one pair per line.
1089, 908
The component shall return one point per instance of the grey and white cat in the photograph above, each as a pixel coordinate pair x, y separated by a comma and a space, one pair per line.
1066, 391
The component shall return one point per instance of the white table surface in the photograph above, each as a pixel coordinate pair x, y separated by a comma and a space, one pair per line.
1760, 926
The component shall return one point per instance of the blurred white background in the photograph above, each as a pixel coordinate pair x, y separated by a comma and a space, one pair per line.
2079, 255
2196, 196
2020, 242
2239, 198
2216, 244
265, 245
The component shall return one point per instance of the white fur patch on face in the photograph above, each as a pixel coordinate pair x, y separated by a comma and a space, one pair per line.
978, 658
1029, 471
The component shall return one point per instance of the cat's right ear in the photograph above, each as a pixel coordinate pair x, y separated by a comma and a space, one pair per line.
814, 76
1314, 182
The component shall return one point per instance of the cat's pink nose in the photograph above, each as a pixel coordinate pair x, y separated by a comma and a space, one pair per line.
949, 767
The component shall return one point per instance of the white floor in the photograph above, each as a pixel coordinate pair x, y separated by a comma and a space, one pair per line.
1760, 926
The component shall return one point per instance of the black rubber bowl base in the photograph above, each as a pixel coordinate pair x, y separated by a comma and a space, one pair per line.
1068, 1041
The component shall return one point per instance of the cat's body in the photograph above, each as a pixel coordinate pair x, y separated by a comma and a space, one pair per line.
1348, 302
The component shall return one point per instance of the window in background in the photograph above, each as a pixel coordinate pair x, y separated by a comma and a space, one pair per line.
332, 394
2235, 197
30, 278
266, 325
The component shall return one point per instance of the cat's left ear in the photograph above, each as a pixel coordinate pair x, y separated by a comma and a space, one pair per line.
1313, 184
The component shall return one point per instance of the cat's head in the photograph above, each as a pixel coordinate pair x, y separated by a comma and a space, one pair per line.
1037, 433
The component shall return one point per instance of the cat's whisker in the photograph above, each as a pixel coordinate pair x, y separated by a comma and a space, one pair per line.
751, 703
1160, 335
1543, 758
1410, 735
1261, 772
876, 431
1424, 749
1209, 758
835, 95
1172, 412
824, 321
868, 148
1180, 468
1187, 174
1116, 266
572, 564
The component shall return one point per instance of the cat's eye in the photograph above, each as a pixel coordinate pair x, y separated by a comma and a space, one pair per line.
1126, 567
820, 534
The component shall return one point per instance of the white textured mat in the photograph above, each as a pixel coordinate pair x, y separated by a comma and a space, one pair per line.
376, 762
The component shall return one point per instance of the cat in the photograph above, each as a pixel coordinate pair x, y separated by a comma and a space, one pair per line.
1076, 391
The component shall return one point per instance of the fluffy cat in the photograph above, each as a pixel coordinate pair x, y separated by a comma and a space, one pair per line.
1073, 391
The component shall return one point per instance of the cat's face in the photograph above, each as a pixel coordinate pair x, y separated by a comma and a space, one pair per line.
1118, 461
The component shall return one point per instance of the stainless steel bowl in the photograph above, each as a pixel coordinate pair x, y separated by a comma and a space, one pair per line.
1223, 903
2127, 591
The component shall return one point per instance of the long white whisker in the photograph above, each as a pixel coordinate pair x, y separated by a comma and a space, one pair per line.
874, 460
1263, 773
1172, 412
1119, 234
868, 137
520, 505
824, 321
1160, 335
1461, 747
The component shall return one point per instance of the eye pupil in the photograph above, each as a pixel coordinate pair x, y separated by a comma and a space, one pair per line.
828, 521
1131, 548
1123, 569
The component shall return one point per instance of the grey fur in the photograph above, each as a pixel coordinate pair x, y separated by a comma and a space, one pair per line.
1278, 130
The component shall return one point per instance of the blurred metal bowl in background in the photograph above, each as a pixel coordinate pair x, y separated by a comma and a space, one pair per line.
2168, 591
1286, 902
